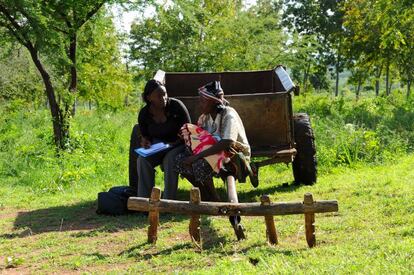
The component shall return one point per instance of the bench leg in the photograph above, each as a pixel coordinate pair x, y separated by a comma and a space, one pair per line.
270, 223
309, 222
153, 216
232, 197
194, 227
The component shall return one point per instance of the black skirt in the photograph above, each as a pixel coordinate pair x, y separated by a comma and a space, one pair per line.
200, 170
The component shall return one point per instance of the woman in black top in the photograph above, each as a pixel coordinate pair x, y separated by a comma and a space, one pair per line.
160, 121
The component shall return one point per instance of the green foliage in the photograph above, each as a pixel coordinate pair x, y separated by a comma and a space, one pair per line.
48, 204
96, 148
319, 21
370, 130
380, 34
48, 220
49, 30
103, 78
208, 36
18, 77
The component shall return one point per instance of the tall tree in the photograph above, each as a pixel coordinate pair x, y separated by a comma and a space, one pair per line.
324, 20
208, 36
302, 51
49, 29
379, 36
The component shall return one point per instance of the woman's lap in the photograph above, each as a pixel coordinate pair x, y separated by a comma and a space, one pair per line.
158, 158
200, 170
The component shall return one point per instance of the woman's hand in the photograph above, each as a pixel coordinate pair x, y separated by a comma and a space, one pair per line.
145, 143
189, 161
183, 132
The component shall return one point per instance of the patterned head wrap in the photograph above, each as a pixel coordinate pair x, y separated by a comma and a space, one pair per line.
213, 91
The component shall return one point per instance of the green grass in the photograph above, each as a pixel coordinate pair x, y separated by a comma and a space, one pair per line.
47, 204
372, 232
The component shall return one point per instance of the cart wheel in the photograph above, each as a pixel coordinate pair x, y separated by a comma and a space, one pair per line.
304, 164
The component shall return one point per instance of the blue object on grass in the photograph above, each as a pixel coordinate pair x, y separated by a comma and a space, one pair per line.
155, 148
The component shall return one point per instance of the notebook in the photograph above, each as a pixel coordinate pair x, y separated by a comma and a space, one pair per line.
155, 148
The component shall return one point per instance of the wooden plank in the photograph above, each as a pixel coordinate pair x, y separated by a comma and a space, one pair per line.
270, 223
309, 221
194, 227
153, 215
230, 209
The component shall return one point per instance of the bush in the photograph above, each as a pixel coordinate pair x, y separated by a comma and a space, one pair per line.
347, 132
98, 150
370, 130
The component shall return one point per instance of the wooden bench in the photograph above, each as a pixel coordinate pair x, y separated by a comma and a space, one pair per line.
195, 207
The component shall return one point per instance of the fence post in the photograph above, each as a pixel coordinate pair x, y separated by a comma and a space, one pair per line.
270, 223
153, 216
194, 227
309, 221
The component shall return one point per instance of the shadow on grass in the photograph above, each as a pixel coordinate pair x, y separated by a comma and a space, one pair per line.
78, 217
209, 235
82, 218
143, 251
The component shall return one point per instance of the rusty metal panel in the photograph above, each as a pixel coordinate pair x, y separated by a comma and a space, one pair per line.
186, 84
265, 117
247, 82
250, 82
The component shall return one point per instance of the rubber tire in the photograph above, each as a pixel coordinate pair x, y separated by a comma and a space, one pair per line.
305, 163
133, 144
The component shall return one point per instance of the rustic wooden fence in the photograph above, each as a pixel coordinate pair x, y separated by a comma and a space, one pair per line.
195, 207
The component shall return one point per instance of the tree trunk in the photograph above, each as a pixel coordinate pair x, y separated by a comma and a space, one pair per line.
377, 80
387, 75
73, 71
60, 126
305, 78
408, 88
338, 66
358, 88
390, 86
337, 75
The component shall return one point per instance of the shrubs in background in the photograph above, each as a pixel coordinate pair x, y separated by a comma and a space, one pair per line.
348, 132
369, 130
98, 150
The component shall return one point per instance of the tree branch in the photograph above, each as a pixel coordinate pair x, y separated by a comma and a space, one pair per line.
14, 27
91, 13
13, 32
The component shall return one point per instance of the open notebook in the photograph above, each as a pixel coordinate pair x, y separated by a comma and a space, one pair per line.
155, 148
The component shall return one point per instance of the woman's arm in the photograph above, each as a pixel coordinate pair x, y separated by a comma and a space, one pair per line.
222, 145
181, 116
143, 126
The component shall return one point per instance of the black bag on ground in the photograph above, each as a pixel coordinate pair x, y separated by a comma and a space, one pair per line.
114, 202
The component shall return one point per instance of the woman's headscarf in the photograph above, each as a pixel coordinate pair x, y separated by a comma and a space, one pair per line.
213, 91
